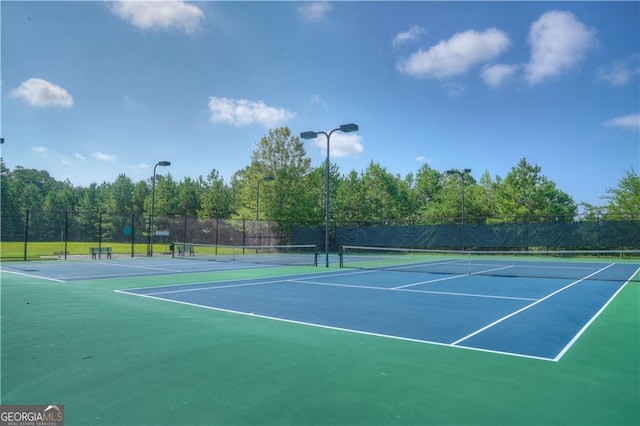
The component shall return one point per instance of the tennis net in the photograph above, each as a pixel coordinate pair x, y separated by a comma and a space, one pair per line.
285, 255
603, 265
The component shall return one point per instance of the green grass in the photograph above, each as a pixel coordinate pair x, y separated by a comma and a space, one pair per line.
53, 250
42, 250
117, 359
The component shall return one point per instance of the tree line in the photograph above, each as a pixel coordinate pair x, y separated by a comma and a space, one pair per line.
293, 193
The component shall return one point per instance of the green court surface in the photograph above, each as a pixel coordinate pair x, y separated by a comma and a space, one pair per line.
116, 359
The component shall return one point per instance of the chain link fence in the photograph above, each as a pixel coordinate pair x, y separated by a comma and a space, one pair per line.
29, 234
35, 233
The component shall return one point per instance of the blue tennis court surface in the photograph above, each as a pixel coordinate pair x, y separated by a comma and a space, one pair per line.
531, 317
118, 268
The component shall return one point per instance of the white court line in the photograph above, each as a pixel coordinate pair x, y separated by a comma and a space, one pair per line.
414, 265
32, 276
145, 274
451, 277
597, 314
329, 327
529, 306
215, 287
446, 293
124, 265
297, 274
491, 270
306, 281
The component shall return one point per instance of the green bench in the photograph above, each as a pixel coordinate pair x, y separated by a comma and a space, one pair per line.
97, 251
184, 249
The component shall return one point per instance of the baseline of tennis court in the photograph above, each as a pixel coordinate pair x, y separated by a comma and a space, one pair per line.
530, 317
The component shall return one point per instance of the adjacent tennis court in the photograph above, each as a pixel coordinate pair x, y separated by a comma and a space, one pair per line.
432, 334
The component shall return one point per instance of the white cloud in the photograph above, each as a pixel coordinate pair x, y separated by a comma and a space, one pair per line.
141, 166
421, 159
140, 169
558, 42
497, 75
317, 99
79, 156
453, 90
243, 112
629, 122
618, 73
411, 34
315, 11
456, 55
341, 144
132, 104
41, 93
41, 150
160, 14
103, 157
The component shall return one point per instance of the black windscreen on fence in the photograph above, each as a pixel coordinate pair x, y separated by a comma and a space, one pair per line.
300, 235
549, 235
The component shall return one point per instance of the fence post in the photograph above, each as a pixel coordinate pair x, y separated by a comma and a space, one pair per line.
258, 233
599, 232
66, 233
217, 233
244, 234
99, 234
26, 234
133, 234
184, 230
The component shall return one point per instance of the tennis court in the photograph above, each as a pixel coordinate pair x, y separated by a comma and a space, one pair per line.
260, 343
538, 317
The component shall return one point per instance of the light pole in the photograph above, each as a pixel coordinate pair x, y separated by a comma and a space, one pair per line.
153, 204
312, 135
461, 174
263, 179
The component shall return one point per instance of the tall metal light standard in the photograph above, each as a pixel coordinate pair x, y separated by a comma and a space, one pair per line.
153, 204
461, 174
312, 135
263, 179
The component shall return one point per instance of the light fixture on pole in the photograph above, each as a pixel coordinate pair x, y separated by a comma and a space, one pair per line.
312, 135
461, 174
153, 204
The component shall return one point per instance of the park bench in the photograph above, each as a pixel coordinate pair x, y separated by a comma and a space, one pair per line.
97, 251
184, 249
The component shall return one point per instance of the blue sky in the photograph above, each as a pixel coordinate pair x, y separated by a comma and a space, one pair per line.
91, 90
